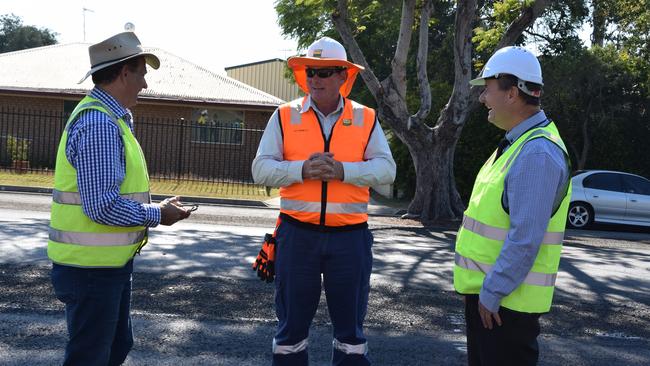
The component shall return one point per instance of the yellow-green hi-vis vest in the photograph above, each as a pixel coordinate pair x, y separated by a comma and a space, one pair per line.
76, 240
485, 227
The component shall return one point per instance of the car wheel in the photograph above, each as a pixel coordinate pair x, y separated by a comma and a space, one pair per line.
581, 215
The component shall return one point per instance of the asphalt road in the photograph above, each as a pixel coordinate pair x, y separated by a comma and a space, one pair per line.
196, 302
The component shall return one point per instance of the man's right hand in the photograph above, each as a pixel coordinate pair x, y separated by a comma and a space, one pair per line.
321, 166
172, 211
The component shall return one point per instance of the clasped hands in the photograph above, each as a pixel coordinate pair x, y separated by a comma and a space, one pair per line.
322, 166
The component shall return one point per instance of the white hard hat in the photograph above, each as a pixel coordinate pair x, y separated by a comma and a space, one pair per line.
516, 61
325, 52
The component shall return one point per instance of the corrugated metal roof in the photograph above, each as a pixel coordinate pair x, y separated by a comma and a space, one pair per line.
58, 68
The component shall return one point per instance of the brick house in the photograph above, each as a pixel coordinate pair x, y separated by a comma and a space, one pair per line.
189, 120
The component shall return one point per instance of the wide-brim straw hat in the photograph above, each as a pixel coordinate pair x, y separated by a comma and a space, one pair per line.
325, 52
120, 47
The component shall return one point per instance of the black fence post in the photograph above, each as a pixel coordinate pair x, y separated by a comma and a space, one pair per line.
181, 145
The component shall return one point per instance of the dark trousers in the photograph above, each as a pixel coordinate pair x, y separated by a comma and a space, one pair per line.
345, 261
513, 343
97, 305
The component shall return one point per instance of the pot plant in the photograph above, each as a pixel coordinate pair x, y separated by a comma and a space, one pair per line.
18, 150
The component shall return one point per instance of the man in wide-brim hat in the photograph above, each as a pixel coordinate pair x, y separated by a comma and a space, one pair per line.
324, 151
101, 207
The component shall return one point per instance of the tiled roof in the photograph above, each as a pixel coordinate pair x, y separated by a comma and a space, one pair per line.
58, 68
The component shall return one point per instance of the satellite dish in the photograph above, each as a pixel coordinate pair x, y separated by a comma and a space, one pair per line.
129, 27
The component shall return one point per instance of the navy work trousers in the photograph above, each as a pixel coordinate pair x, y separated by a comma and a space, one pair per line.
97, 306
514, 343
344, 259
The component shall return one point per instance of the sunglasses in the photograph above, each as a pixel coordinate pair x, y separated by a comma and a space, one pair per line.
322, 73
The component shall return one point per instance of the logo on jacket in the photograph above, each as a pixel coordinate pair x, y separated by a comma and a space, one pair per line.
347, 122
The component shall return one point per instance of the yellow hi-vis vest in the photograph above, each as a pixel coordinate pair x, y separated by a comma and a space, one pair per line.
76, 240
485, 227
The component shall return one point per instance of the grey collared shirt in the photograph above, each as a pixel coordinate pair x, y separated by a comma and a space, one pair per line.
270, 169
534, 187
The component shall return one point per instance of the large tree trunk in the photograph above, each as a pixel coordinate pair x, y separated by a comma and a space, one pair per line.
436, 198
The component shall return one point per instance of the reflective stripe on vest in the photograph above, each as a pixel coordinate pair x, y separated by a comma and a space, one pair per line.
289, 349
350, 349
304, 206
357, 117
533, 135
96, 239
74, 198
532, 278
495, 233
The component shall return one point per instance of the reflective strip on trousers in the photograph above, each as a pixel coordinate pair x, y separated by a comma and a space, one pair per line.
74, 198
97, 239
332, 207
289, 349
350, 349
533, 278
496, 233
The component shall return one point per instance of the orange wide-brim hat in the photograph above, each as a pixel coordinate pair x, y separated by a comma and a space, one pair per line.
325, 52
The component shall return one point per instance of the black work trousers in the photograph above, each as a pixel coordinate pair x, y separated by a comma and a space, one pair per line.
513, 343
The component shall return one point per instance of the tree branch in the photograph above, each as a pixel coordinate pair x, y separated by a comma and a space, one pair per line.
456, 109
525, 20
515, 29
398, 64
423, 79
546, 38
341, 18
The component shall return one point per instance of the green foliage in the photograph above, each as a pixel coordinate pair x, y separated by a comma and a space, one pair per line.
17, 148
15, 36
600, 87
609, 87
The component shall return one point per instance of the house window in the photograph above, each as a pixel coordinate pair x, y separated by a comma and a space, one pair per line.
68, 108
218, 126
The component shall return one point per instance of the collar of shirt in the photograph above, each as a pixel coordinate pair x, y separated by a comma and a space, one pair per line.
310, 104
113, 105
532, 121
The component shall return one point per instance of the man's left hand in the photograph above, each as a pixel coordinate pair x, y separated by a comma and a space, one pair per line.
487, 315
335, 171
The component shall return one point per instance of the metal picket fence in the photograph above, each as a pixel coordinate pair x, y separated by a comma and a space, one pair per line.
177, 150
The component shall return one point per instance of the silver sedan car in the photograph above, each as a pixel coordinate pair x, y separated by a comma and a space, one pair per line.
609, 197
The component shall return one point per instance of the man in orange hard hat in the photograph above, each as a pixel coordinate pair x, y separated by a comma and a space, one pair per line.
324, 151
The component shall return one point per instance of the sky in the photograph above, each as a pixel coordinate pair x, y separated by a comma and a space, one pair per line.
213, 34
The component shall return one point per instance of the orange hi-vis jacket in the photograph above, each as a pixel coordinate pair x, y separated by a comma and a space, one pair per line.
316, 202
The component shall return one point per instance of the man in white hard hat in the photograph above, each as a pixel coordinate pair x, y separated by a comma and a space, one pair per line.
509, 244
101, 207
324, 151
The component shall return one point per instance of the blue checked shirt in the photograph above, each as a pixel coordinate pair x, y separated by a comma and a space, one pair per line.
534, 186
95, 150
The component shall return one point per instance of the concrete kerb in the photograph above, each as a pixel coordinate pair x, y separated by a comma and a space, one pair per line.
373, 210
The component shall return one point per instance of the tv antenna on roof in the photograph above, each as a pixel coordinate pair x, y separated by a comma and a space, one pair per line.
84, 10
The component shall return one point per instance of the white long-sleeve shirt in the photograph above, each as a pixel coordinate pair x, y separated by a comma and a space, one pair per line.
270, 169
